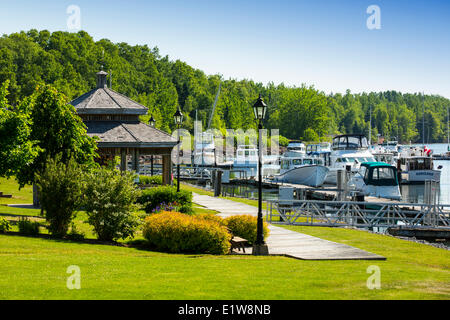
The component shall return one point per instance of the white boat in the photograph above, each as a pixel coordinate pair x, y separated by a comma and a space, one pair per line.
347, 153
376, 179
318, 148
247, 161
418, 169
309, 171
204, 150
295, 149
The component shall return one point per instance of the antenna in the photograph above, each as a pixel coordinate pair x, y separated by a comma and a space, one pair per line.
103, 58
110, 78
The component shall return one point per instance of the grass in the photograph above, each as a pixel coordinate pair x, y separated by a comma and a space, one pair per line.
35, 268
22, 196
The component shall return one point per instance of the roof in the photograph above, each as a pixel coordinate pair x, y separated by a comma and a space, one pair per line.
107, 101
376, 164
128, 134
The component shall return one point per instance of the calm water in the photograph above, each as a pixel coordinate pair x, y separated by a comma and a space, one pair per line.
410, 193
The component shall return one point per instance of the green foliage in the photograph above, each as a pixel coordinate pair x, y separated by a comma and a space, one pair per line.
16, 148
109, 198
28, 227
74, 234
179, 233
154, 197
5, 226
69, 61
60, 191
150, 180
244, 226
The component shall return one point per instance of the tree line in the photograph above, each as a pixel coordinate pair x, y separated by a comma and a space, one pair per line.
68, 62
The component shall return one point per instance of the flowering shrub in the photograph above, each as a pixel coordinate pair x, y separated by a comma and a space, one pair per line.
244, 226
180, 233
155, 198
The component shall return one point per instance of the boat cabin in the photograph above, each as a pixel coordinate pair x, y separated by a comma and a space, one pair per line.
379, 174
288, 163
350, 142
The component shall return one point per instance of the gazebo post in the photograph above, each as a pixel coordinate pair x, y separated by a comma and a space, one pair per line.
123, 159
167, 169
136, 156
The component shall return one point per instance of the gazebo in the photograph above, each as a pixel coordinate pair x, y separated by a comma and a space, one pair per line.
114, 119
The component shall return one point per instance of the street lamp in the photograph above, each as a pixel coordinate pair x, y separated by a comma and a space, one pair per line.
260, 247
178, 116
152, 123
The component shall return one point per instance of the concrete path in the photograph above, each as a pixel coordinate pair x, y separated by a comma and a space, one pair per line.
286, 242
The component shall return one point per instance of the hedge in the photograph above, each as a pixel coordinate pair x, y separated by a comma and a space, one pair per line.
176, 232
152, 198
244, 226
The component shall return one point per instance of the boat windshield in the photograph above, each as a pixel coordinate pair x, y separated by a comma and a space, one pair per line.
381, 176
307, 161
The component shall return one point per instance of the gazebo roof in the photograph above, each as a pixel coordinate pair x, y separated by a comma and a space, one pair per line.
102, 100
128, 133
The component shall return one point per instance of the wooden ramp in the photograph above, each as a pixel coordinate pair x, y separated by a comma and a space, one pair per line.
286, 242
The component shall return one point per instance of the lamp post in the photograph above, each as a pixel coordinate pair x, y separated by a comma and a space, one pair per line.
152, 123
260, 247
178, 116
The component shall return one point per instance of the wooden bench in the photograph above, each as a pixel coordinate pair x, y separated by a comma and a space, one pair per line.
238, 243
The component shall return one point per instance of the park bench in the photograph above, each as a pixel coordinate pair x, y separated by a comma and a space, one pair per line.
238, 243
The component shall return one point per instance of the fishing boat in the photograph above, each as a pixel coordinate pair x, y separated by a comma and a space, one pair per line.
348, 151
376, 179
309, 171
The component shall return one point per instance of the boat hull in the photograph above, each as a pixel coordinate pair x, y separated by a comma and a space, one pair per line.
313, 176
420, 176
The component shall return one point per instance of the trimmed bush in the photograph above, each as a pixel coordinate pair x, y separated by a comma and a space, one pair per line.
145, 180
109, 199
5, 226
180, 233
28, 227
59, 192
244, 226
152, 198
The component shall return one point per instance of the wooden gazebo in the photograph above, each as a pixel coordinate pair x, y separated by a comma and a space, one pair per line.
114, 119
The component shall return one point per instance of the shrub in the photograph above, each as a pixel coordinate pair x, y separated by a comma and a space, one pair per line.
74, 234
211, 217
60, 191
109, 198
27, 226
145, 180
244, 226
154, 197
180, 233
5, 226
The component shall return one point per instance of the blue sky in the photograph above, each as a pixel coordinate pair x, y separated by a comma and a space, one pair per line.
324, 43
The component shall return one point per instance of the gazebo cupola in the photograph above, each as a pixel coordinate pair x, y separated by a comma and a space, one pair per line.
114, 119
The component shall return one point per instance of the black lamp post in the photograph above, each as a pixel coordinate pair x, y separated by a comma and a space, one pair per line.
152, 123
260, 247
178, 116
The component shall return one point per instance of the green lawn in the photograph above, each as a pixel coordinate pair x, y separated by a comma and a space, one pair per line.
35, 268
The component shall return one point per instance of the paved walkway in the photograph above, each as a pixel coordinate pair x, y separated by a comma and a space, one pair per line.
286, 242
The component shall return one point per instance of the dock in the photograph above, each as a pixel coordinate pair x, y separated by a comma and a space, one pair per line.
286, 242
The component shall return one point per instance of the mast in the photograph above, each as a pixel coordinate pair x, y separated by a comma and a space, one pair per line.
448, 129
370, 125
423, 118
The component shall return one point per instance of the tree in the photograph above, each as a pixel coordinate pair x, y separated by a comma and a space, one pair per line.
17, 150
60, 193
55, 129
